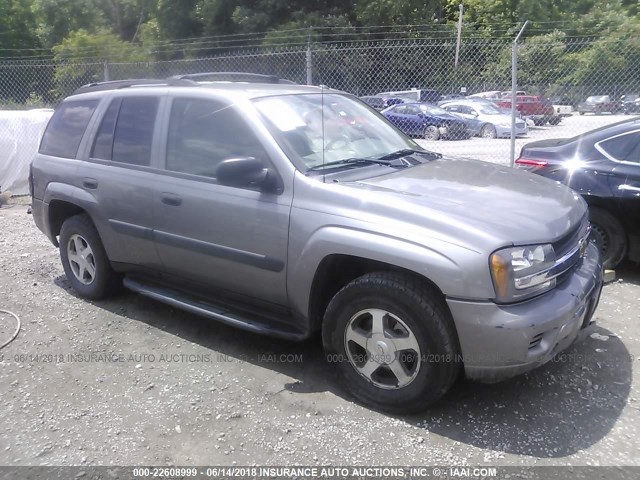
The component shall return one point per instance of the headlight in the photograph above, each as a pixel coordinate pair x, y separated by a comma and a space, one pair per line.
521, 272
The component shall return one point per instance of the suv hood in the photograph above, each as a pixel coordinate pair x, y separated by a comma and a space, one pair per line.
500, 205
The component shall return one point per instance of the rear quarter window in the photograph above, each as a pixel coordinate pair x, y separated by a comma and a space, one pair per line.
623, 148
64, 132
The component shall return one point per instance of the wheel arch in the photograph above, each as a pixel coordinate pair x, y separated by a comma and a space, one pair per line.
62, 202
59, 212
337, 270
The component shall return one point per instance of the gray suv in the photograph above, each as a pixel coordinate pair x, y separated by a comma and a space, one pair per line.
293, 210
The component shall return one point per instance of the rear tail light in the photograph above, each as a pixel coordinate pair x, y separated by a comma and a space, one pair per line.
31, 180
530, 164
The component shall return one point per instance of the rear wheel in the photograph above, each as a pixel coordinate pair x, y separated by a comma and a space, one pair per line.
488, 131
393, 341
84, 259
555, 120
609, 235
431, 133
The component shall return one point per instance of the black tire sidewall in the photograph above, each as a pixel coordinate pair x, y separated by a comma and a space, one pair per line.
488, 128
105, 281
431, 128
617, 247
435, 343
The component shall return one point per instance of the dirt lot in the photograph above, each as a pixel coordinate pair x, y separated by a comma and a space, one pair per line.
166, 387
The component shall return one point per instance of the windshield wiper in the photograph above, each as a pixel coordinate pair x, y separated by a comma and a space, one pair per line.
349, 161
406, 152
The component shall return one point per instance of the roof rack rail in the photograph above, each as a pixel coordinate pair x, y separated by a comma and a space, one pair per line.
235, 77
116, 84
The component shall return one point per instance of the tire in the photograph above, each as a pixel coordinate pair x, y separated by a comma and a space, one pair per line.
488, 131
581, 113
431, 132
609, 235
90, 274
404, 306
555, 120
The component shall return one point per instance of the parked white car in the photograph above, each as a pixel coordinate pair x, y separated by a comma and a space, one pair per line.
496, 123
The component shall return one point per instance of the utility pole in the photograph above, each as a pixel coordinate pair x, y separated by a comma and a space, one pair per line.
459, 35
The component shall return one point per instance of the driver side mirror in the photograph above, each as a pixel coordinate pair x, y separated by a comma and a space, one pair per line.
246, 172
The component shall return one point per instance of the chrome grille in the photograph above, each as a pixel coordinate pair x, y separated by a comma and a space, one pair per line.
571, 247
569, 240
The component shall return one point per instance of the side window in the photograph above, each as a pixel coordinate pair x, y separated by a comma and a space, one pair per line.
66, 128
400, 109
203, 133
453, 108
623, 148
133, 132
103, 144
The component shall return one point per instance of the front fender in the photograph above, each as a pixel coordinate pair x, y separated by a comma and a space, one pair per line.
445, 270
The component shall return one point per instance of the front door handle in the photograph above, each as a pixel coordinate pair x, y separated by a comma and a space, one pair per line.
91, 183
171, 199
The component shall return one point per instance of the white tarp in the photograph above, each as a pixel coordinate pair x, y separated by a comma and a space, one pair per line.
20, 134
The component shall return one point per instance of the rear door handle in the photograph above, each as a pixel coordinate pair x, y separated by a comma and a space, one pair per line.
171, 199
629, 188
91, 183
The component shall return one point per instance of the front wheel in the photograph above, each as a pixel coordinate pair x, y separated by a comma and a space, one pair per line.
431, 133
609, 235
488, 131
84, 259
393, 341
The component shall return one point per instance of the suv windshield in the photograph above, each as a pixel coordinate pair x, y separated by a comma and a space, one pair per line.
324, 128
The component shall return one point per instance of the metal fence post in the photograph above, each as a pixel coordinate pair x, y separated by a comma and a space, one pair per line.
514, 87
106, 76
309, 61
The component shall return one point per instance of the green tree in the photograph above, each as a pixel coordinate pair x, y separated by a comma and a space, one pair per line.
542, 60
82, 56
17, 26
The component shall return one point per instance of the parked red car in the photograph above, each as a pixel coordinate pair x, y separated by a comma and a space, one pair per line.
537, 108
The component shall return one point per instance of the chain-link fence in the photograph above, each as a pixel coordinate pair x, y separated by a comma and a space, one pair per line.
562, 69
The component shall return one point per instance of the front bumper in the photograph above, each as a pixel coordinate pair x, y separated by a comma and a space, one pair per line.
501, 341
454, 132
505, 131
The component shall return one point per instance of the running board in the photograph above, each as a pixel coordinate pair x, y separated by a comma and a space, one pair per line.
224, 314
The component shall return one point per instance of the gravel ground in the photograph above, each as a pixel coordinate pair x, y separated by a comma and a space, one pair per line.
174, 389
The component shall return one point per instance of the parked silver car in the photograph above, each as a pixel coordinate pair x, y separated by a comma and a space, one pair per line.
290, 210
496, 123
